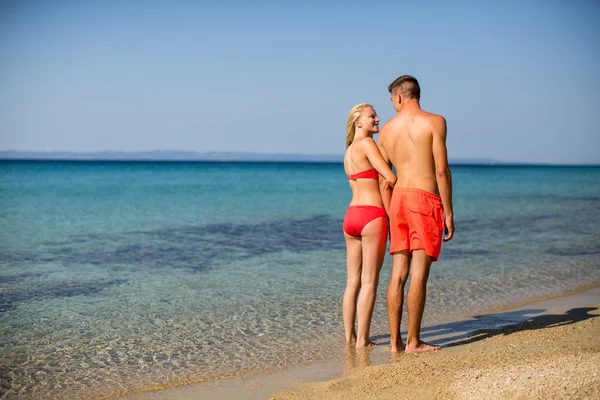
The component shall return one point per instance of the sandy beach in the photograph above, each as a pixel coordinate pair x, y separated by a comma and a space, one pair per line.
553, 356
547, 349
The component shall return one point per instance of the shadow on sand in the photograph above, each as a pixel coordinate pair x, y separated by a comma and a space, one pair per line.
481, 327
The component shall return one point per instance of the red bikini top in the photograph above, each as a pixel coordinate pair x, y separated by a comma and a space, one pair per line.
368, 174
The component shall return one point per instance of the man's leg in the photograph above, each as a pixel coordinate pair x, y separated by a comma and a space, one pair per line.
395, 297
417, 293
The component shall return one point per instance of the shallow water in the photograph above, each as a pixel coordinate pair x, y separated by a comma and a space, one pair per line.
117, 276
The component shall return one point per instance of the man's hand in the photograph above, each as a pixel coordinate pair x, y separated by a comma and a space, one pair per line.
449, 227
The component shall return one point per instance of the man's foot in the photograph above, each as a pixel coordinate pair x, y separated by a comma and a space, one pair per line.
398, 346
422, 347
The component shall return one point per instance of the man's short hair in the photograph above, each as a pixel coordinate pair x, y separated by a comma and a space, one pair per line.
407, 86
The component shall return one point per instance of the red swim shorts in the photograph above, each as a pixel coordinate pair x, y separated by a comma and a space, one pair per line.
416, 221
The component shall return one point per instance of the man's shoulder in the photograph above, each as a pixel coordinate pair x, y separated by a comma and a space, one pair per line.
385, 131
390, 124
432, 117
435, 121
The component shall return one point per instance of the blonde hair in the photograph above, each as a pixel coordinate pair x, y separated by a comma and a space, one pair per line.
354, 114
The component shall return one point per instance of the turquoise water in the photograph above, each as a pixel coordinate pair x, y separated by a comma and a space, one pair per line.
117, 276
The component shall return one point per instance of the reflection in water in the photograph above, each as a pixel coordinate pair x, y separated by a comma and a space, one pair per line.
357, 358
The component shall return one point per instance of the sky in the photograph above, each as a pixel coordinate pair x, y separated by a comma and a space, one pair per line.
517, 81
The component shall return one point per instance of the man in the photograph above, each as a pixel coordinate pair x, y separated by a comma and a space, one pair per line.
414, 142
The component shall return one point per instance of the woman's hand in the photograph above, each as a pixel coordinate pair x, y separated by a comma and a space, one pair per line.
392, 181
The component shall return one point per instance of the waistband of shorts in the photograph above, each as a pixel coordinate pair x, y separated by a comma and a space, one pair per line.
422, 192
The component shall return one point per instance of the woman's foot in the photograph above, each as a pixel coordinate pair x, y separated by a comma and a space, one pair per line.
362, 344
351, 340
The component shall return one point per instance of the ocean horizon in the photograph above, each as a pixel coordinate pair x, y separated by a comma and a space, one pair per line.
224, 156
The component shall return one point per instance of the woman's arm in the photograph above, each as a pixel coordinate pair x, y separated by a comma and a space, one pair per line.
377, 161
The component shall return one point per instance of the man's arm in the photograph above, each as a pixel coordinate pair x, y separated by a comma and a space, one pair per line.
442, 173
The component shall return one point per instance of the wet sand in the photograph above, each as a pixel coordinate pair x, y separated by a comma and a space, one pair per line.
546, 349
549, 356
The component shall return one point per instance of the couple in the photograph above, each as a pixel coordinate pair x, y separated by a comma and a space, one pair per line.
418, 201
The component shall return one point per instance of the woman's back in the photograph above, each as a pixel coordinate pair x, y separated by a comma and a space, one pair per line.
363, 178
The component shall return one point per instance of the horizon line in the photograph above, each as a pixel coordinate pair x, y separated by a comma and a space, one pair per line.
225, 156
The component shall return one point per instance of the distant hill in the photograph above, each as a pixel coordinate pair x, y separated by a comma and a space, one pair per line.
161, 155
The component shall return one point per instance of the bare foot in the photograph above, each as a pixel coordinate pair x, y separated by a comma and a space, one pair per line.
361, 345
397, 347
351, 341
422, 347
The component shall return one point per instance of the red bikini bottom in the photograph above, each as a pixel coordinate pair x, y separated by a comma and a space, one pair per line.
358, 216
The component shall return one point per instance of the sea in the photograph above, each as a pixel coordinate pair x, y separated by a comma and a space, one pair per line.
123, 276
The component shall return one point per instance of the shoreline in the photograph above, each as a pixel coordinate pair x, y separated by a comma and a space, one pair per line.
456, 334
552, 354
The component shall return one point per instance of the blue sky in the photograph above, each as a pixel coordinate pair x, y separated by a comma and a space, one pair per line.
516, 80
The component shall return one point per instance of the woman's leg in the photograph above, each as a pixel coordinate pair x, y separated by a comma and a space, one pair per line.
354, 267
374, 236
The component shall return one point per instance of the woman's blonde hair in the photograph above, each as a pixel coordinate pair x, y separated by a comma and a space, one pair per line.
354, 114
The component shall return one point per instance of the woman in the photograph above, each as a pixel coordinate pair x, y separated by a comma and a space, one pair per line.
366, 223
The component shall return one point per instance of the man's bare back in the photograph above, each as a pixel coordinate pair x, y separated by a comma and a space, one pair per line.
414, 142
408, 141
